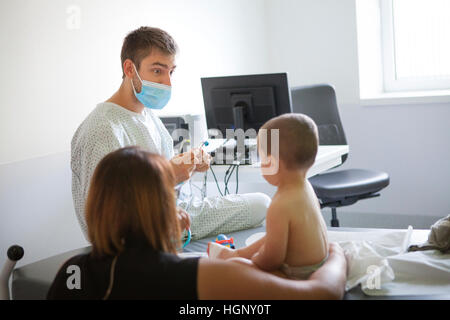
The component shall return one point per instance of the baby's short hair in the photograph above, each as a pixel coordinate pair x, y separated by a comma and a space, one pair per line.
298, 140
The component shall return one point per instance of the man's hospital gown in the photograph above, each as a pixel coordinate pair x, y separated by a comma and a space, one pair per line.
110, 127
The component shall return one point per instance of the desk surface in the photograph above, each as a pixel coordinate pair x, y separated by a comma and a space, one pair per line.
328, 157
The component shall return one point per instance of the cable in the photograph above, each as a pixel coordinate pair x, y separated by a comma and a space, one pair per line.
228, 175
205, 179
191, 197
225, 181
215, 178
203, 188
197, 187
111, 278
228, 178
188, 240
237, 178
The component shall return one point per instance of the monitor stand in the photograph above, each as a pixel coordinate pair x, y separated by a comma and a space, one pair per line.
238, 117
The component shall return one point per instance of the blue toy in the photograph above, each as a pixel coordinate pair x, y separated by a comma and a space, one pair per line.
225, 241
188, 240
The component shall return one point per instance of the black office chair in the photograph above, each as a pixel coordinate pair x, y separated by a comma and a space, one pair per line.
338, 188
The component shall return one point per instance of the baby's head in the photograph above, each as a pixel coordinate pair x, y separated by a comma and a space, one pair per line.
298, 141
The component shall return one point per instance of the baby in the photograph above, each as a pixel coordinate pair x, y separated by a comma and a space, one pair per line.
296, 237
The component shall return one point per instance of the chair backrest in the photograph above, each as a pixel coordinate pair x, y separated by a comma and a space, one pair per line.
319, 102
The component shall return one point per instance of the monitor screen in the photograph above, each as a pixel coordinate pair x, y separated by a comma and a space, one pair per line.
245, 102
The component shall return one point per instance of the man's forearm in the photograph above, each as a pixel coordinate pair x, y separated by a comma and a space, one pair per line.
180, 176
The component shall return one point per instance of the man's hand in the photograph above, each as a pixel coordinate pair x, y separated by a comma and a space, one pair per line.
184, 218
186, 163
202, 158
183, 165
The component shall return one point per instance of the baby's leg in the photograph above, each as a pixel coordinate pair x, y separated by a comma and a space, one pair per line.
218, 251
250, 263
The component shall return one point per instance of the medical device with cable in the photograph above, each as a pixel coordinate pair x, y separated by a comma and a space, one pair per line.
14, 254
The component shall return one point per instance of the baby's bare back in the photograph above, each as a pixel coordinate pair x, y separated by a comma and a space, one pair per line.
307, 238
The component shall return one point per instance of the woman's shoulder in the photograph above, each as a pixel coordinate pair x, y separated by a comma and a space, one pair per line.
169, 276
68, 278
142, 260
136, 270
76, 262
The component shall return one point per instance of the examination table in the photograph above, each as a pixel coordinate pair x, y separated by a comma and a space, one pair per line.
33, 280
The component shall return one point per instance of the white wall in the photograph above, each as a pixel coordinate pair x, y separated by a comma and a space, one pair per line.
36, 208
53, 76
316, 42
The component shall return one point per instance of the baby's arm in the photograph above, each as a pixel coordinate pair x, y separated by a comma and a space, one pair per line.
249, 251
245, 252
272, 253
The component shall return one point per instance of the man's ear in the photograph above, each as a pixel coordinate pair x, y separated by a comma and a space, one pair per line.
128, 68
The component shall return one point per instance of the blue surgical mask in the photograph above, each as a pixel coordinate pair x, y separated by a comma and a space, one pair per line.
153, 95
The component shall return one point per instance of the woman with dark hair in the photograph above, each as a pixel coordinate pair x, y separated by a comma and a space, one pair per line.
135, 234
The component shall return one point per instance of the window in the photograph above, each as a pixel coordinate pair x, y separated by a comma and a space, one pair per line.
415, 44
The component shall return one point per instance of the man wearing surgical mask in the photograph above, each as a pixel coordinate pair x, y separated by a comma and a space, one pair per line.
126, 119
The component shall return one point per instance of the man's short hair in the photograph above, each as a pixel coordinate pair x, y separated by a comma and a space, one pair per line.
139, 43
298, 140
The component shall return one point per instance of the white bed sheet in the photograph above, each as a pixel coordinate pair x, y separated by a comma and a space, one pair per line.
379, 262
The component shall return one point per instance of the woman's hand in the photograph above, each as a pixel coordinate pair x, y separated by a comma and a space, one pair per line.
333, 274
238, 281
184, 218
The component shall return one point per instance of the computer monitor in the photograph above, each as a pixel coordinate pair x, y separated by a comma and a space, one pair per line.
245, 102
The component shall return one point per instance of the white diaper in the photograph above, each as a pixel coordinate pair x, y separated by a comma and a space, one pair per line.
302, 272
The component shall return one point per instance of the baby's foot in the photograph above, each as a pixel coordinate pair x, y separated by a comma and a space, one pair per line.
227, 253
218, 251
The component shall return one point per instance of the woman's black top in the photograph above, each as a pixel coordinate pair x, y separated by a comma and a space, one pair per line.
140, 273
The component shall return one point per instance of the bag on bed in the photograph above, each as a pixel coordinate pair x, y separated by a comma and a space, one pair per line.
438, 239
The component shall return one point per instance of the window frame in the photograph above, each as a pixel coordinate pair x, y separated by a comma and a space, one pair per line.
390, 81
